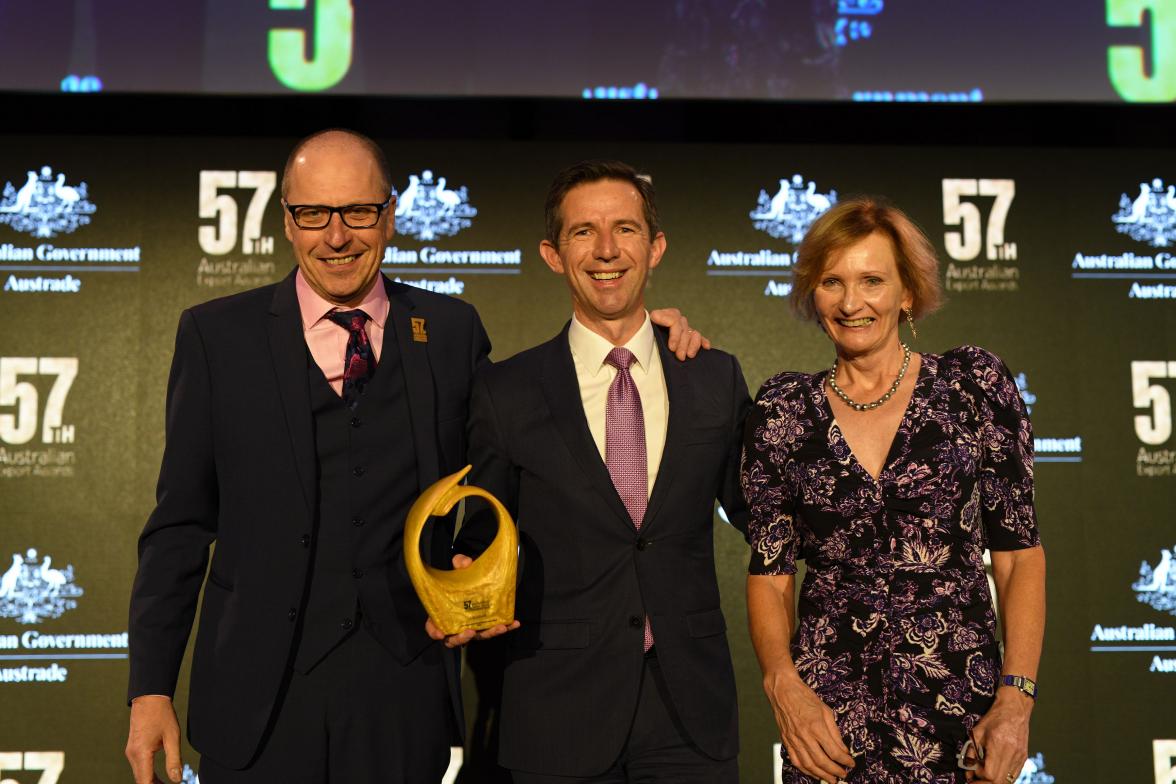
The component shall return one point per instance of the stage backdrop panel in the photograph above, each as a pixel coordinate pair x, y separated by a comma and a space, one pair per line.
1059, 260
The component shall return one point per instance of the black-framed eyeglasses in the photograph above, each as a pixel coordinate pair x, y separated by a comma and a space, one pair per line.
355, 216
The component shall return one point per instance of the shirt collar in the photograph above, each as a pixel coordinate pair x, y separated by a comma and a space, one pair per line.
592, 349
314, 308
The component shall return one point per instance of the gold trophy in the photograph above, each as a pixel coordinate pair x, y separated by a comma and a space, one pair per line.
479, 596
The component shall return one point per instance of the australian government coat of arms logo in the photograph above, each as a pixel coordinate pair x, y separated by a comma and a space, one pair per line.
1157, 585
1150, 216
428, 208
1034, 772
32, 590
45, 205
1026, 394
789, 213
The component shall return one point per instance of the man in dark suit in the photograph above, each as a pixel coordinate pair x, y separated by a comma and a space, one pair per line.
610, 454
286, 447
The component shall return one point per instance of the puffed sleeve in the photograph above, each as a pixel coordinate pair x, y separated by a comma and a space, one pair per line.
1006, 467
771, 523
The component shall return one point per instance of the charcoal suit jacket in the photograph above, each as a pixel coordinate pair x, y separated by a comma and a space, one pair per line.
239, 469
588, 576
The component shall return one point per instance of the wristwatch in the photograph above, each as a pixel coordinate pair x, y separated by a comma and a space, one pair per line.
1026, 685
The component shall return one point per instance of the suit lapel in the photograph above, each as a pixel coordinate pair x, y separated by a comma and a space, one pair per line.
680, 398
288, 354
562, 391
418, 382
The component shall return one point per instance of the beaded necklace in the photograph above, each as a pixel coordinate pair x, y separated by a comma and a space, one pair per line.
906, 361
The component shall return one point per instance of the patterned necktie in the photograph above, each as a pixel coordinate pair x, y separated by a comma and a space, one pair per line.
359, 363
624, 445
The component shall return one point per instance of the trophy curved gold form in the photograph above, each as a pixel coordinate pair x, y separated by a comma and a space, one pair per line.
481, 595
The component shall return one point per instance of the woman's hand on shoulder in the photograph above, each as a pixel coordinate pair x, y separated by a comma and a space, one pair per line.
808, 728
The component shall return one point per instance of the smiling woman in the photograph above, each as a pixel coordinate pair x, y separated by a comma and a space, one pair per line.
849, 222
860, 296
890, 474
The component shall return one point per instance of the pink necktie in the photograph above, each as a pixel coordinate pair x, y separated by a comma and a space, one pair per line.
624, 445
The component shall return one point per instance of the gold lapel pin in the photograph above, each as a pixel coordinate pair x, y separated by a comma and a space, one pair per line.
419, 334
483, 594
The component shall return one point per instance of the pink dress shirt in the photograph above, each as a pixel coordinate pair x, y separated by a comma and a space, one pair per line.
327, 340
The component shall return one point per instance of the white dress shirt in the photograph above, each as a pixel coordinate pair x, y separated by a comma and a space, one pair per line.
595, 376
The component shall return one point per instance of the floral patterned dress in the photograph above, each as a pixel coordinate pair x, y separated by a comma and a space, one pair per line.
896, 629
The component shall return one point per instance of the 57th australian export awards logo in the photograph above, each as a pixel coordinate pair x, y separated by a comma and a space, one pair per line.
429, 210
1155, 587
33, 591
237, 253
37, 437
1151, 382
46, 206
982, 259
1149, 218
785, 213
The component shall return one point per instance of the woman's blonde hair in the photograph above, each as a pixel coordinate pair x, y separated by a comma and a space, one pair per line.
849, 221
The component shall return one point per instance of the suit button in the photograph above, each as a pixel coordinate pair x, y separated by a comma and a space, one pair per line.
357, 521
304, 540
357, 573
346, 623
636, 622
292, 614
356, 421
357, 471
642, 543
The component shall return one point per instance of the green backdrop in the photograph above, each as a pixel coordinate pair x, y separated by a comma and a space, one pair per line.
1042, 275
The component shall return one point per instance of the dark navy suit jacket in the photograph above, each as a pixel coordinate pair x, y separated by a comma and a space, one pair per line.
587, 575
239, 468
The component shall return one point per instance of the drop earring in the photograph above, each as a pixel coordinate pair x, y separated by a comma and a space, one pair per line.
910, 317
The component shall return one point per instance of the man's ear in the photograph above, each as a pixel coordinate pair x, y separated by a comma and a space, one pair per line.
390, 211
551, 256
658, 250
